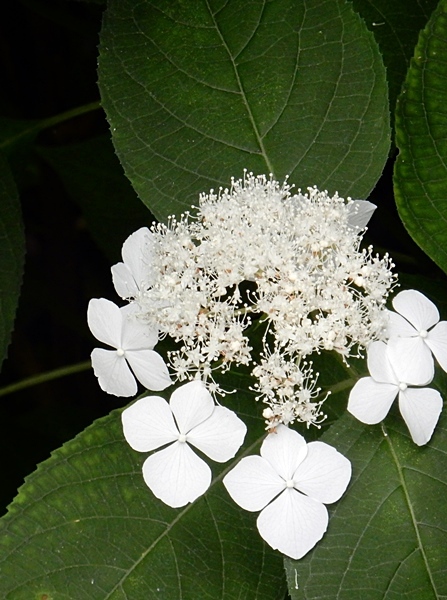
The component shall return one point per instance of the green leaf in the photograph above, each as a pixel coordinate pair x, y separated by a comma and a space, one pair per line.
12, 254
387, 536
196, 91
420, 177
85, 525
396, 26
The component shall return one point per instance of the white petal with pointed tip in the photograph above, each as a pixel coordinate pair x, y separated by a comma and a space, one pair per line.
293, 523
437, 342
149, 368
370, 401
148, 424
176, 475
253, 483
123, 281
360, 212
411, 360
105, 321
416, 308
420, 409
220, 436
284, 449
191, 404
113, 373
324, 474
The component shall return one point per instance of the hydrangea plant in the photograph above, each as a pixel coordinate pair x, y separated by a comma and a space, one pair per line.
257, 256
279, 370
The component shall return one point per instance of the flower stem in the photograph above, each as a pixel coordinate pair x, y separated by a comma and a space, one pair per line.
43, 377
69, 114
35, 127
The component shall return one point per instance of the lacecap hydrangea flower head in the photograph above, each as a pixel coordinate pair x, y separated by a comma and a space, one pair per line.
262, 256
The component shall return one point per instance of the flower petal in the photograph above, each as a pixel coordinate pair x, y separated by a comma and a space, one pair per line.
113, 373
253, 483
324, 474
137, 253
398, 326
105, 321
123, 281
379, 363
220, 436
284, 449
437, 342
149, 424
416, 308
420, 409
293, 523
149, 368
136, 334
360, 212
176, 475
370, 401
411, 360
191, 404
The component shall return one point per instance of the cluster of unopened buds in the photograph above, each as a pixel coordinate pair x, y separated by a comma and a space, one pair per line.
289, 267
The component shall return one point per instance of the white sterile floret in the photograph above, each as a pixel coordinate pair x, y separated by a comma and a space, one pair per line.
371, 397
415, 333
360, 212
175, 474
135, 273
133, 342
290, 483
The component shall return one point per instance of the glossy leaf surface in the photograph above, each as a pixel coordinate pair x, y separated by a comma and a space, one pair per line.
197, 91
420, 179
387, 535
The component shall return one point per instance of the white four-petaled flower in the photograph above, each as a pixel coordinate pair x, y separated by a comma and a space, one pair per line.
415, 333
371, 397
175, 474
133, 342
290, 483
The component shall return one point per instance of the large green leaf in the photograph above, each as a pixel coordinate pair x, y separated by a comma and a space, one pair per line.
396, 26
84, 525
387, 537
195, 91
12, 253
421, 123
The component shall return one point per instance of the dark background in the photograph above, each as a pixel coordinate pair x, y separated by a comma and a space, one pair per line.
48, 64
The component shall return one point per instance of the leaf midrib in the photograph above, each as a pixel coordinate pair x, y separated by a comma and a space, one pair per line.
176, 520
243, 95
414, 522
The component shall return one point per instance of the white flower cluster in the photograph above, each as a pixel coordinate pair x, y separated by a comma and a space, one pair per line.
257, 253
258, 262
